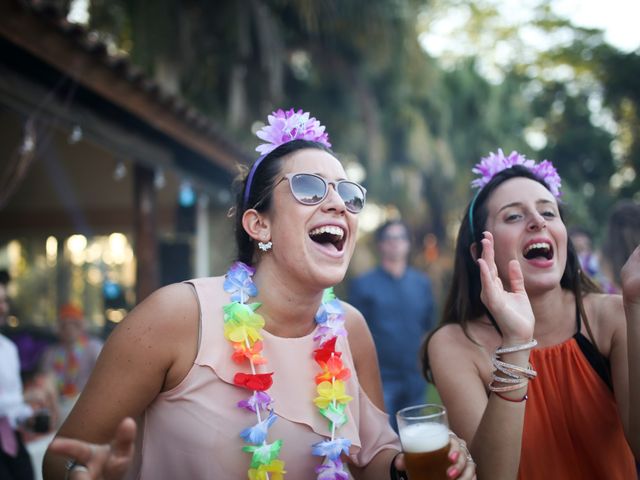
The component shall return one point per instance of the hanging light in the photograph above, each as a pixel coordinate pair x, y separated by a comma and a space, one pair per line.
76, 134
120, 171
29, 139
159, 180
186, 195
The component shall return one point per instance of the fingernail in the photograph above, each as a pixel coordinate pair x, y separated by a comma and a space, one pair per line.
453, 456
452, 472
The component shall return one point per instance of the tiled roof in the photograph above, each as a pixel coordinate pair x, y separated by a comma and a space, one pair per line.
89, 42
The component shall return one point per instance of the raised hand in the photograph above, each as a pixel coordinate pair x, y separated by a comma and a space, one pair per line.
511, 309
99, 462
630, 278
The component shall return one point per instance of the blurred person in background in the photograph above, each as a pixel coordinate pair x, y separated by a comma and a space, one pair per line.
397, 302
622, 236
71, 360
16, 415
583, 245
589, 258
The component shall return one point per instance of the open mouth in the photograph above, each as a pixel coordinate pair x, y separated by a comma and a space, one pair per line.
540, 250
329, 235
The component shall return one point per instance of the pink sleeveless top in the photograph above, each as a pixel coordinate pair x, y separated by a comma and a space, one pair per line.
193, 430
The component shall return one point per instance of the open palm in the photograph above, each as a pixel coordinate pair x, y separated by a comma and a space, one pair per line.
511, 309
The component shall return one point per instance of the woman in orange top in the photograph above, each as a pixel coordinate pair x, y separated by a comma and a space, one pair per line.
558, 406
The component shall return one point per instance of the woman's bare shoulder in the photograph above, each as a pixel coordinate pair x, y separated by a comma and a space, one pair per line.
359, 335
603, 304
354, 320
168, 307
451, 345
605, 313
478, 334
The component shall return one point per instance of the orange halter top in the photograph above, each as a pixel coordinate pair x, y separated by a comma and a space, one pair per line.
572, 429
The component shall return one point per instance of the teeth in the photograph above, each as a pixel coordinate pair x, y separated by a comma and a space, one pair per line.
545, 246
331, 229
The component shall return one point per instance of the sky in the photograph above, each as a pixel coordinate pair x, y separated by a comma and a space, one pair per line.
618, 18
445, 35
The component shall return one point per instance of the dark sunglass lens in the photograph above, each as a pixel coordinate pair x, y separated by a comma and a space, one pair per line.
352, 195
308, 189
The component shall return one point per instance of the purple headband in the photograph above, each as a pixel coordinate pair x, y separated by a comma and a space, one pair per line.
284, 127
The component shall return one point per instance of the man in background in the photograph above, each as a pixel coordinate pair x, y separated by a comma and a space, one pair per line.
397, 303
72, 359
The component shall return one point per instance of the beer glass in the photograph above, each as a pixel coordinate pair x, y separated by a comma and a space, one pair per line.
424, 434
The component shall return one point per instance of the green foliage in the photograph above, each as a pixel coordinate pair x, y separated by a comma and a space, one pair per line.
416, 123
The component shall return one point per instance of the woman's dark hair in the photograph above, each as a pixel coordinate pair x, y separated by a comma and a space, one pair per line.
264, 179
463, 302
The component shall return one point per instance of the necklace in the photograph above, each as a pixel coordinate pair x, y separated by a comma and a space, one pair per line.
66, 365
242, 326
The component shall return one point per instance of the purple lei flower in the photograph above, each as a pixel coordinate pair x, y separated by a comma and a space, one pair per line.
494, 163
329, 310
238, 282
258, 433
331, 448
332, 470
290, 125
333, 327
330, 318
259, 400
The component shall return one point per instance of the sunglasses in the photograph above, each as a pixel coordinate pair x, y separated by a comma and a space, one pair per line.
311, 189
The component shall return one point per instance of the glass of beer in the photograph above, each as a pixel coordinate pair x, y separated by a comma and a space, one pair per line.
424, 434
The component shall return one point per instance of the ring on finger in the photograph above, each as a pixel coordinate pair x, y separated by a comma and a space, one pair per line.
73, 466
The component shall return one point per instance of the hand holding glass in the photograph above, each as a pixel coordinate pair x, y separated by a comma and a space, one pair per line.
424, 433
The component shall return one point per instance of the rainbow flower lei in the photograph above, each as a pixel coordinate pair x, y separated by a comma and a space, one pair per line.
242, 327
66, 366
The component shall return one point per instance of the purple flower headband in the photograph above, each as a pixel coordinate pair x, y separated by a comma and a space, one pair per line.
494, 163
285, 127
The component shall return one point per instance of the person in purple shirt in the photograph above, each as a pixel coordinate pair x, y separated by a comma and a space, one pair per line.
398, 305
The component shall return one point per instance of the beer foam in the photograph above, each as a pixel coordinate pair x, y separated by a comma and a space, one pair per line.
424, 437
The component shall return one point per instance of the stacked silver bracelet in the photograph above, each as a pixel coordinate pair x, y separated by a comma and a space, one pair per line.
514, 377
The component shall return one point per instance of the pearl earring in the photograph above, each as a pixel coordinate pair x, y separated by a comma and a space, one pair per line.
265, 247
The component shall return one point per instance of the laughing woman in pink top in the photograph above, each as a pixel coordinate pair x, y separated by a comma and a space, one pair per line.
256, 374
